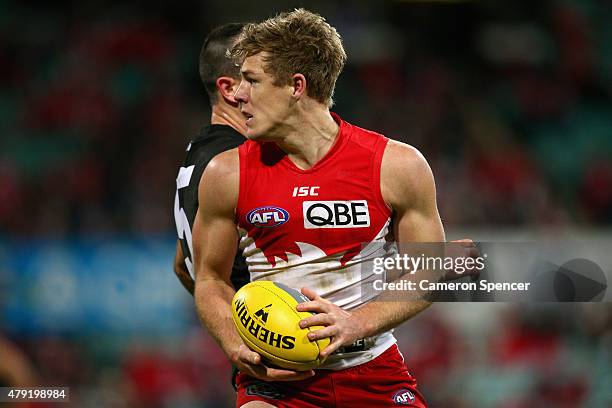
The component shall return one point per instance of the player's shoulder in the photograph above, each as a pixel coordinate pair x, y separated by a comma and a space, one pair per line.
364, 137
220, 181
396, 156
404, 172
399, 155
224, 164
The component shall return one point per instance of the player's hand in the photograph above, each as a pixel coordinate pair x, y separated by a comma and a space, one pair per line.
463, 248
250, 363
340, 325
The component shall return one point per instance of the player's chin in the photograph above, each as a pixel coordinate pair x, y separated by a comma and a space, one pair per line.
251, 132
256, 136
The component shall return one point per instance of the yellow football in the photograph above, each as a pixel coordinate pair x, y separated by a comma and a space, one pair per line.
264, 314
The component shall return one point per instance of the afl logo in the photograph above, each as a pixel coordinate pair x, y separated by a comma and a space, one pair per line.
403, 397
267, 217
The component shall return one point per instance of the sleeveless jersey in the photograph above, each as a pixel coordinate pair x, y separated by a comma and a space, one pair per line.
211, 141
317, 227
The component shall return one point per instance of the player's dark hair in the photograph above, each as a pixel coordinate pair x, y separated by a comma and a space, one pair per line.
214, 62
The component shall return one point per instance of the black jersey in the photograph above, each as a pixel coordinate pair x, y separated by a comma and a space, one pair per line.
211, 141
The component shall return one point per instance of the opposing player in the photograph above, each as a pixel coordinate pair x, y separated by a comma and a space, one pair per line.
302, 195
221, 77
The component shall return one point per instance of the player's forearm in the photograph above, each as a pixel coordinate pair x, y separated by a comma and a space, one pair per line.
180, 269
213, 304
379, 316
183, 276
391, 308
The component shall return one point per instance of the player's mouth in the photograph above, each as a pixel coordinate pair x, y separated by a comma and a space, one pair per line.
248, 116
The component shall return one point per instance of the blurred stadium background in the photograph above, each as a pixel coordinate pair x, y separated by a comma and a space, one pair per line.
511, 102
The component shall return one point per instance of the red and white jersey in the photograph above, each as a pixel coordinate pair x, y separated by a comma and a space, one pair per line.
317, 227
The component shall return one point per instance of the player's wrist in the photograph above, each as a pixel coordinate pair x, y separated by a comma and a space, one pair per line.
363, 323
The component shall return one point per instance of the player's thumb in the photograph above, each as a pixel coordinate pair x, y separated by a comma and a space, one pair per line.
254, 358
250, 356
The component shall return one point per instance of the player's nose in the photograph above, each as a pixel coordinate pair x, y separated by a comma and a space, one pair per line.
241, 94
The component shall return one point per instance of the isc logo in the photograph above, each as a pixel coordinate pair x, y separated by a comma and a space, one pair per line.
305, 191
267, 217
403, 397
336, 214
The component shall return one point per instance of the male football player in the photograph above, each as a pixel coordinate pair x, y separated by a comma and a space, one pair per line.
303, 195
220, 77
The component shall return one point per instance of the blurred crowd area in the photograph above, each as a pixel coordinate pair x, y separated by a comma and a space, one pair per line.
475, 355
509, 101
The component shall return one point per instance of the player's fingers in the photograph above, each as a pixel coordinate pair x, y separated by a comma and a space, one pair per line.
463, 241
333, 346
328, 331
248, 356
277, 374
320, 319
309, 293
312, 306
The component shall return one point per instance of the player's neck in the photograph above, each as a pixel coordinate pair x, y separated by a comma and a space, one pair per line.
313, 136
225, 114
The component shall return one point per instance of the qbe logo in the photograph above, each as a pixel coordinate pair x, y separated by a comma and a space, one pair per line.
336, 214
267, 217
403, 397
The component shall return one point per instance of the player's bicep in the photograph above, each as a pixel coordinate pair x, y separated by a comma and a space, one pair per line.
215, 236
418, 220
408, 186
215, 240
418, 226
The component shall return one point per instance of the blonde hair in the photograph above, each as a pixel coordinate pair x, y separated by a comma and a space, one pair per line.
296, 42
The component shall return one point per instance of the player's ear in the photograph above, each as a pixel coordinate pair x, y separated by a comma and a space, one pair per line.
227, 87
299, 85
